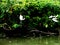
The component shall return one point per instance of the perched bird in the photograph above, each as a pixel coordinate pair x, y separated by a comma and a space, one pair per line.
54, 18
21, 17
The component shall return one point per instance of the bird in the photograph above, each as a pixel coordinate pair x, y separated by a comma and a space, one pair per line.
21, 17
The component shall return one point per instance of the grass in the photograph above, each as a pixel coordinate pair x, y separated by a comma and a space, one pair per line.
30, 41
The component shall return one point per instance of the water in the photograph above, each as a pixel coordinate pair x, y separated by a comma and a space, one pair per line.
30, 41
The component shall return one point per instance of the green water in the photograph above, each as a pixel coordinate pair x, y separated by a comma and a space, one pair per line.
30, 41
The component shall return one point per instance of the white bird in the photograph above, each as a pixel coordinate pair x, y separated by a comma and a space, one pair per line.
55, 19
21, 17
51, 16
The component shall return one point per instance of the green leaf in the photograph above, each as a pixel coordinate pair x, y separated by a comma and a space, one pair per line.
15, 25
2, 15
27, 17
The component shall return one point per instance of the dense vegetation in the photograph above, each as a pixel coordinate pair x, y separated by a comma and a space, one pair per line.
37, 15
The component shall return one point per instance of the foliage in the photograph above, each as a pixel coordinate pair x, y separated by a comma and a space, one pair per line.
15, 25
34, 11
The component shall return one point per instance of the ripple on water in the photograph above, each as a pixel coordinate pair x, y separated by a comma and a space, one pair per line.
10, 41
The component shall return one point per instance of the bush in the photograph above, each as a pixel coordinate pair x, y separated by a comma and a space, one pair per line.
36, 14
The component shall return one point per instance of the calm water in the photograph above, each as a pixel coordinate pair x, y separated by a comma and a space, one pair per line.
30, 41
